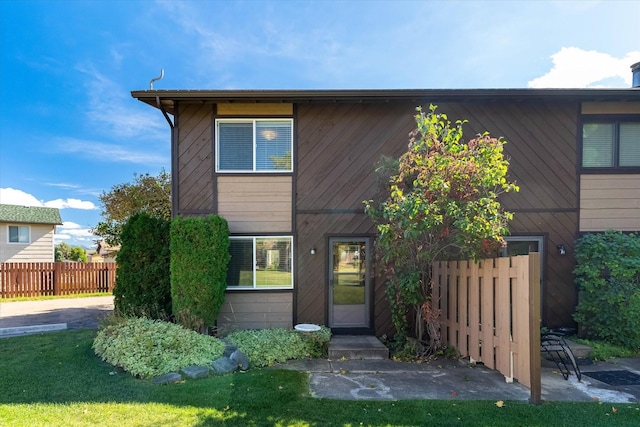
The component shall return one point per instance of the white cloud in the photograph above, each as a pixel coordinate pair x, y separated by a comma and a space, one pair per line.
70, 225
62, 185
577, 68
11, 196
70, 203
76, 231
75, 234
109, 152
111, 107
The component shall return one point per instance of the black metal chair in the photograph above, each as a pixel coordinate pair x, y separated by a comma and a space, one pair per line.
553, 344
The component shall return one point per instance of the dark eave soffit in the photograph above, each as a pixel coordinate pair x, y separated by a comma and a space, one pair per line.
169, 97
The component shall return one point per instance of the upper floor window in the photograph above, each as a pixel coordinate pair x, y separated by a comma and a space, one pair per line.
254, 145
611, 144
19, 234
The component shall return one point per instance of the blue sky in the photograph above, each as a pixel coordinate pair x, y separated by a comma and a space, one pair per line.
70, 130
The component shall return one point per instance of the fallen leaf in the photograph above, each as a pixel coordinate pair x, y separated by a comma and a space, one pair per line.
614, 410
500, 404
595, 399
454, 393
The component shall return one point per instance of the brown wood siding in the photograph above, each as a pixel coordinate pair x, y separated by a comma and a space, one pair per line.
254, 109
611, 108
339, 144
256, 310
541, 148
559, 296
256, 204
610, 202
312, 277
195, 154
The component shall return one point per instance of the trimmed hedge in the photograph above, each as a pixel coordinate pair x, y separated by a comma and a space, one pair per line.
608, 277
199, 259
142, 286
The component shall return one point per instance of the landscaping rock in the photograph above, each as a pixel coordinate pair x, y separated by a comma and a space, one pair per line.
169, 378
240, 359
228, 349
224, 365
195, 372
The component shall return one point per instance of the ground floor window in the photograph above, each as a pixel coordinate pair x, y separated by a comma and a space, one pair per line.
260, 262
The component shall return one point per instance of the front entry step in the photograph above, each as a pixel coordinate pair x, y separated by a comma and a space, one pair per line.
357, 347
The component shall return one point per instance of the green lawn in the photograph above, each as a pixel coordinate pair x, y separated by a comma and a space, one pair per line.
56, 380
266, 278
94, 294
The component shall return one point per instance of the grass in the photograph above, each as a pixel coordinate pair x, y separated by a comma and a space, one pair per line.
348, 295
266, 278
601, 350
41, 298
56, 380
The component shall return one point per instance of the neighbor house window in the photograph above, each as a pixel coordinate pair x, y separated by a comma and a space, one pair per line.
263, 262
245, 145
611, 144
19, 234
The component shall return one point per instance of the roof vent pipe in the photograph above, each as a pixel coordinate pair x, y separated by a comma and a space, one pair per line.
155, 79
635, 70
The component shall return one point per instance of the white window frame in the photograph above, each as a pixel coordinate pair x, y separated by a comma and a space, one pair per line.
253, 121
254, 263
18, 242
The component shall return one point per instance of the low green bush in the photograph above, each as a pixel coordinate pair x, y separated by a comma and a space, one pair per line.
147, 348
266, 347
605, 351
607, 274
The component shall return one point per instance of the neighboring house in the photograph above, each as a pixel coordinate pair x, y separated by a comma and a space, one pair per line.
289, 170
26, 233
103, 253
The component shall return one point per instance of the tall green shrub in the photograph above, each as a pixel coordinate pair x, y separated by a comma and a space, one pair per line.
439, 200
199, 258
608, 278
142, 285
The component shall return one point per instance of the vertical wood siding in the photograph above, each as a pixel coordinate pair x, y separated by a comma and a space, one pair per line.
610, 202
195, 157
33, 279
256, 204
489, 311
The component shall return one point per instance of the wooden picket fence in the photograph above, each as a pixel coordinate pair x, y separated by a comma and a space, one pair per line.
490, 312
33, 279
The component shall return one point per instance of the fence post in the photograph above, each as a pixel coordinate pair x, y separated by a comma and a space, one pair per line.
534, 328
57, 278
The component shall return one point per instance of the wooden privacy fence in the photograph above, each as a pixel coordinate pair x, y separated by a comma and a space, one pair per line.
490, 312
32, 279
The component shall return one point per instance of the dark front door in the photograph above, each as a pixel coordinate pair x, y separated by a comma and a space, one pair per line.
349, 282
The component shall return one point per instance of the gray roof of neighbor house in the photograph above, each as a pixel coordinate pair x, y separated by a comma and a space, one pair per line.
29, 215
165, 99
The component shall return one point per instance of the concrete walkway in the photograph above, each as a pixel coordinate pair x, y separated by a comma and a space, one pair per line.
25, 317
454, 379
358, 379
